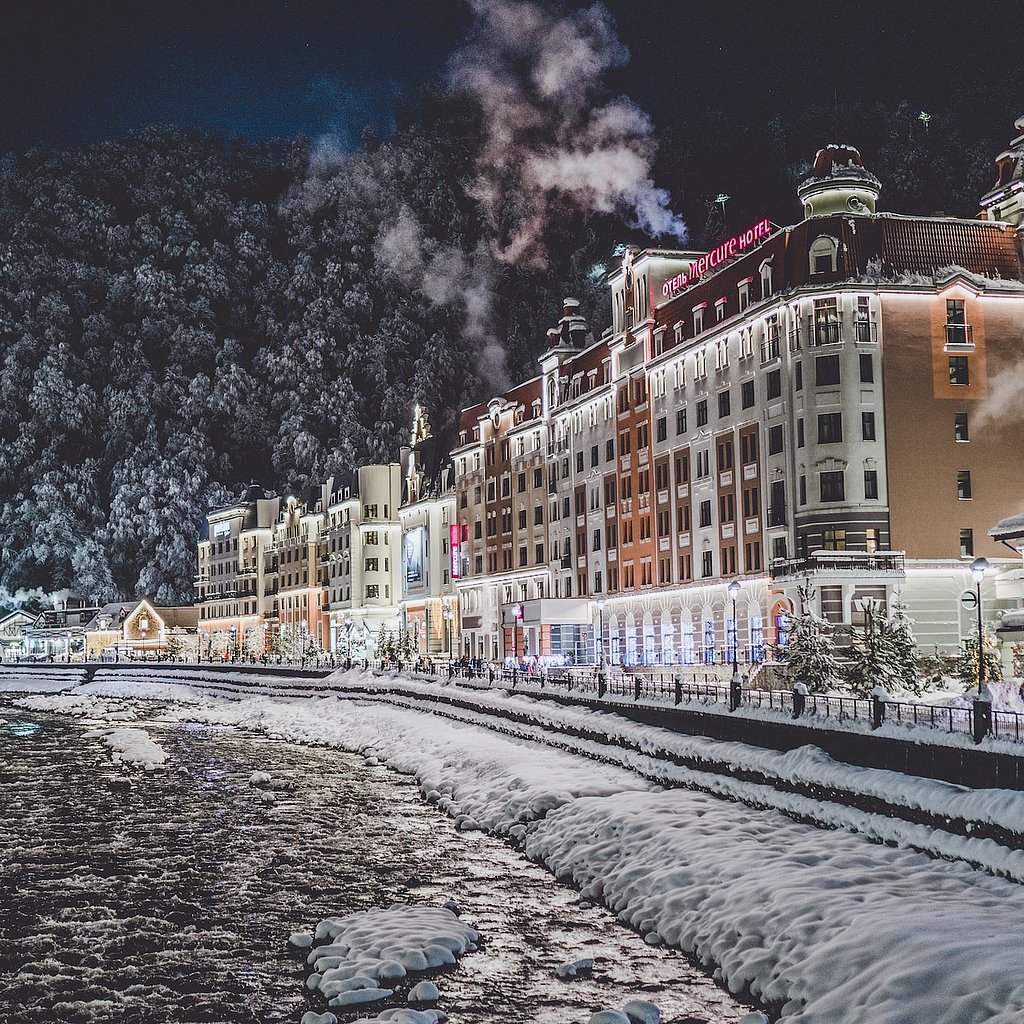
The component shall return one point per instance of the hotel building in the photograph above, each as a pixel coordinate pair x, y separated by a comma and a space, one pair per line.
813, 407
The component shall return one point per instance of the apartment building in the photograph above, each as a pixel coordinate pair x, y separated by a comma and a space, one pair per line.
431, 543
363, 549
232, 585
813, 407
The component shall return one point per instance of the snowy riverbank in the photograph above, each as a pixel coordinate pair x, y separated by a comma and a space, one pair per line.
821, 925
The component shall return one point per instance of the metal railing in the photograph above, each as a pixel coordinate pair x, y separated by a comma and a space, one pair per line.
696, 687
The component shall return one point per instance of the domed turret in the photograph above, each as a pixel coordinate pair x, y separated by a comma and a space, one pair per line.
1005, 200
839, 183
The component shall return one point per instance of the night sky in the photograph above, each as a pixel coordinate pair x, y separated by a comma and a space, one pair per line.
708, 73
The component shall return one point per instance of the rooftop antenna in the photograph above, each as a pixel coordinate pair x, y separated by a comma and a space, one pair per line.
924, 118
721, 199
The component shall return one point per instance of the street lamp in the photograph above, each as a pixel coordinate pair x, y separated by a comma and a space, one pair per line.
735, 684
978, 569
449, 615
600, 619
517, 614
982, 707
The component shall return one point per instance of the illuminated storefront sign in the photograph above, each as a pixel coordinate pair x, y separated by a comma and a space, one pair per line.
414, 555
455, 543
745, 239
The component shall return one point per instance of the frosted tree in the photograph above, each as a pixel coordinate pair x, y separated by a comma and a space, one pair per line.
903, 645
967, 665
811, 651
872, 659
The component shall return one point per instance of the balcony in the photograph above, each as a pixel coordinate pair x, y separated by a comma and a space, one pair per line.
959, 338
865, 332
565, 562
794, 340
771, 349
826, 334
890, 563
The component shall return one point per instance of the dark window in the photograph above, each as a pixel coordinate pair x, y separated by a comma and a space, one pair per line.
579, 462
723, 404
775, 444
800, 433
959, 372
595, 455
522, 519
680, 421
747, 394
867, 426
661, 429
833, 486
774, 384
538, 515
702, 413
799, 382
538, 477
963, 484
777, 503
609, 451
706, 564
867, 368
705, 513
830, 428
871, 484
826, 370
966, 543
803, 490
961, 431
521, 483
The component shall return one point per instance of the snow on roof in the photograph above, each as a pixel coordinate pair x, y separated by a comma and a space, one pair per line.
1010, 528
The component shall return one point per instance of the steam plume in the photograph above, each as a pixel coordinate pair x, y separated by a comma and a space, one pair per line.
552, 130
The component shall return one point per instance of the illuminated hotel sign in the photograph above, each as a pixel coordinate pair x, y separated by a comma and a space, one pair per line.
745, 239
454, 542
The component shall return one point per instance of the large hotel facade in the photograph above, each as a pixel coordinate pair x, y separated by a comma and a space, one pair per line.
821, 412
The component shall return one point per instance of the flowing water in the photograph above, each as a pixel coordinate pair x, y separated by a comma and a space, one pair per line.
167, 897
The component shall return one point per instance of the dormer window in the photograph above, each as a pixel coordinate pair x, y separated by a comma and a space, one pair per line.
698, 318
719, 311
767, 286
679, 332
744, 293
823, 253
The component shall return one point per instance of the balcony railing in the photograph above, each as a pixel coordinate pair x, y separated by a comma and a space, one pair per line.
826, 334
840, 561
771, 349
865, 332
959, 336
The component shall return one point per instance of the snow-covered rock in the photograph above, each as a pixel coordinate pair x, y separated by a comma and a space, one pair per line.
300, 940
311, 1017
259, 779
574, 968
608, 1017
640, 1012
361, 952
424, 992
130, 746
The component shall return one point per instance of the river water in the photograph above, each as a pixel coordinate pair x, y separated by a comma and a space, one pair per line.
167, 897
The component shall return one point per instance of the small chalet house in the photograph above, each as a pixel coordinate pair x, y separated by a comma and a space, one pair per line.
137, 628
12, 633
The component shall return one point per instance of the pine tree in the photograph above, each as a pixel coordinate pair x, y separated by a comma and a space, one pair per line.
904, 648
967, 665
873, 658
811, 651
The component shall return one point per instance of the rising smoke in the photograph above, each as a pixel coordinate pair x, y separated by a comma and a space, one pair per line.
553, 134
1002, 407
553, 131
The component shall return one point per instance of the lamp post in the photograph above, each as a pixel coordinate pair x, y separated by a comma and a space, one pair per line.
449, 615
982, 707
600, 620
517, 614
735, 684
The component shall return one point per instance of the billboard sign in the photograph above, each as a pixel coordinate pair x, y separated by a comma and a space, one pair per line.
455, 544
414, 555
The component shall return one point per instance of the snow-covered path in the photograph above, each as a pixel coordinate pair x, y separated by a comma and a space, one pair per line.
824, 926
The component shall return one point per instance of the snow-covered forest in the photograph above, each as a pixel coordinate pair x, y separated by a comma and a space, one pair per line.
181, 316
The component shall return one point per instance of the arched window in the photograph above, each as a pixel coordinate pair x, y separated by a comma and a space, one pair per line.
823, 252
